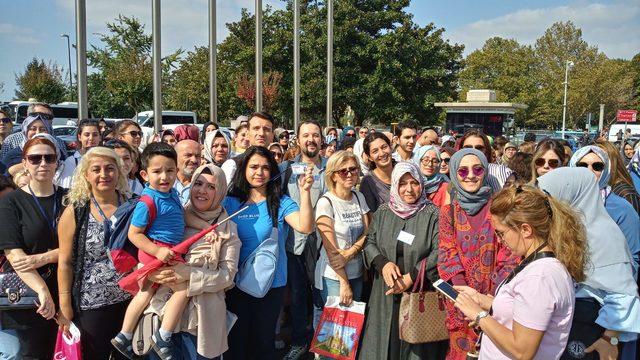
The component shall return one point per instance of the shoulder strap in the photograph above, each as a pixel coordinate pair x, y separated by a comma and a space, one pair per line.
452, 206
151, 205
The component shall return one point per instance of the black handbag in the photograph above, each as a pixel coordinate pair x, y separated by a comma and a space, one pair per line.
14, 293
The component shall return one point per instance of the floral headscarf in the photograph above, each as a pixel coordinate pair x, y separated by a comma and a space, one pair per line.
396, 204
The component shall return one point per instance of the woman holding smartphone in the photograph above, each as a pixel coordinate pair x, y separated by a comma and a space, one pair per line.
533, 307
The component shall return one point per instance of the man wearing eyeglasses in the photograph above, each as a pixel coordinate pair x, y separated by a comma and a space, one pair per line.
39, 120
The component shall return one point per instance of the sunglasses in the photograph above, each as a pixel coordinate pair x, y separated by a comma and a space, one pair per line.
134, 133
41, 115
5, 120
37, 159
345, 172
477, 171
446, 160
350, 135
276, 154
596, 166
553, 163
477, 147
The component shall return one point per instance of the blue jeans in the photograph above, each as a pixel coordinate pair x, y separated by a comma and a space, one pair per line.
9, 345
187, 345
331, 287
298, 283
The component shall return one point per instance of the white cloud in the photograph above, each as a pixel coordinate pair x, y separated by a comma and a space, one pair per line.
613, 28
184, 22
17, 34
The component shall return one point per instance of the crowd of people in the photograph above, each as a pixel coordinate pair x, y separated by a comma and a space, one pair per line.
541, 244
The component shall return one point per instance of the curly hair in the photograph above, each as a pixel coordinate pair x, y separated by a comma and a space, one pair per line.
80, 190
551, 220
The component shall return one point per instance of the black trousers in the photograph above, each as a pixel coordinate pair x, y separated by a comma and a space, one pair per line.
253, 335
97, 328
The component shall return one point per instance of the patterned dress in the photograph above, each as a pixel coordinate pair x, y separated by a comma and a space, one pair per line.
469, 254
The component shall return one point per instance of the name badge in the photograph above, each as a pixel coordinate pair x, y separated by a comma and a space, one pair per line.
405, 237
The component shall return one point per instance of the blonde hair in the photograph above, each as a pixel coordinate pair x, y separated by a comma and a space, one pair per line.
80, 190
550, 219
335, 161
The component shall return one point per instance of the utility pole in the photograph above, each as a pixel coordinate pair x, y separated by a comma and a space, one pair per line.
213, 84
258, 55
157, 67
296, 63
329, 62
564, 104
81, 60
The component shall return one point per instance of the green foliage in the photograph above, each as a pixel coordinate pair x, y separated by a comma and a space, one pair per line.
41, 81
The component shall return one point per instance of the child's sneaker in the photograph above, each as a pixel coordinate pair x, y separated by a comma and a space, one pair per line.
165, 349
123, 345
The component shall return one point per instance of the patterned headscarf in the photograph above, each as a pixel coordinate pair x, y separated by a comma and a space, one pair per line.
471, 203
396, 204
208, 143
431, 183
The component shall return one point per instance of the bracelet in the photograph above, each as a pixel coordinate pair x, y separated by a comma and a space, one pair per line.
64, 292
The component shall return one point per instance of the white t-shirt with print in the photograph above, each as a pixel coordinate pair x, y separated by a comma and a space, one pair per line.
348, 226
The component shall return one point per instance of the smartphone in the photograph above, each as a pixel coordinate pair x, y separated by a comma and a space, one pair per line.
446, 289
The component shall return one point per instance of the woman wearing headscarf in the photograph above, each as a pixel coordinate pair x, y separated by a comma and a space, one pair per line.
435, 185
634, 169
607, 305
627, 151
396, 265
348, 131
209, 270
217, 147
469, 252
620, 210
620, 180
184, 132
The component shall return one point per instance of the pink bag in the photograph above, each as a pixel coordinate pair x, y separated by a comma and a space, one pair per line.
68, 348
339, 330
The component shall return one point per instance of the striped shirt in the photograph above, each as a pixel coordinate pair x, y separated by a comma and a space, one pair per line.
17, 140
498, 175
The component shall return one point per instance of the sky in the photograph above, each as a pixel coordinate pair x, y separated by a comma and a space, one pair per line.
609, 25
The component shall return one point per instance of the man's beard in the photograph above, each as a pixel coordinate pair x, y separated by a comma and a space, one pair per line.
309, 154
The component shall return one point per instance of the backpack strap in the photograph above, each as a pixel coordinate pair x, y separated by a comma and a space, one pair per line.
153, 212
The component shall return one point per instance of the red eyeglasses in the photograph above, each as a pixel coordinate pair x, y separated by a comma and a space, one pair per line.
476, 170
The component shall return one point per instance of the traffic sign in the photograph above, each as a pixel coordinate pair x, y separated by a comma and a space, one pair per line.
627, 115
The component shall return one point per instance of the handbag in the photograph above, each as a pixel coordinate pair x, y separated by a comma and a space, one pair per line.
256, 273
422, 313
14, 293
147, 326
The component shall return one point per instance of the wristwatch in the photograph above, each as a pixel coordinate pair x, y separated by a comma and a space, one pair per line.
481, 315
613, 340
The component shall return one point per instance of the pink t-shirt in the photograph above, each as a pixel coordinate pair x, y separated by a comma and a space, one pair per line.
541, 297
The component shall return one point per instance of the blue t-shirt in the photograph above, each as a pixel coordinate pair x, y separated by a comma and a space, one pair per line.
168, 227
254, 227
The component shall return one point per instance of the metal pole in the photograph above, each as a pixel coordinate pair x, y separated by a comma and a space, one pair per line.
296, 63
564, 104
329, 62
601, 120
157, 67
258, 55
69, 56
213, 86
81, 60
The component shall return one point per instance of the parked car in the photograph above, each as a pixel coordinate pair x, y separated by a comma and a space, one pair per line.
68, 134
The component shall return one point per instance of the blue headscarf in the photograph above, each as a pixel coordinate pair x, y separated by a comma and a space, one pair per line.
471, 203
606, 172
26, 124
431, 183
346, 129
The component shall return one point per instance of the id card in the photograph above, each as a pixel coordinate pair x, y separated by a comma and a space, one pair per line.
298, 168
405, 237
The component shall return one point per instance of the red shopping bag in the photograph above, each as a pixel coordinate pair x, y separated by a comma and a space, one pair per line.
338, 332
68, 348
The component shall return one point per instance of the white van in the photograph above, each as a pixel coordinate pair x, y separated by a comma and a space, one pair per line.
64, 113
613, 130
170, 119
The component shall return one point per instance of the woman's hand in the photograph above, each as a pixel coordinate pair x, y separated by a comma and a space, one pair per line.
391, 273
174, 274
473, 293
46, 307
467, 306
604, 349
306, 181
401, 285
29, 262
64, 324
346, 295
211, 237
338, 261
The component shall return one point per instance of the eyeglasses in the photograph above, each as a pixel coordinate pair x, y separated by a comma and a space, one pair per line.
41, 115
37, 159
596, 166
276, 154
500, 234
477, 171
477, 147
5, 120
553, 163
426, 161
346, 171
134, 133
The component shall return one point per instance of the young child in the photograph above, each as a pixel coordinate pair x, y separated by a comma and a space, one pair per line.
159, 164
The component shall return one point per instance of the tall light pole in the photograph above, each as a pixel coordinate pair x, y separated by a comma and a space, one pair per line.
258, 55
157, 67
69, 55
213, 91
81, 58
329, 62
568, 64
296, 63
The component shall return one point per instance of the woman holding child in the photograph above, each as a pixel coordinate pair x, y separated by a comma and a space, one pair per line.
88, 282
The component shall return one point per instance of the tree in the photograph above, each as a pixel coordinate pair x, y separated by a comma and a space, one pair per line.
634, 69
125, 68
42, 81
